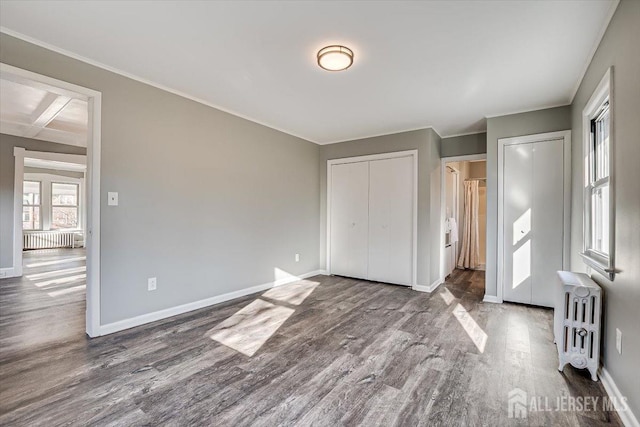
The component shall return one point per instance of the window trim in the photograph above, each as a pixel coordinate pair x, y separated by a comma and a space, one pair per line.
39, 206
600, 262
77, 205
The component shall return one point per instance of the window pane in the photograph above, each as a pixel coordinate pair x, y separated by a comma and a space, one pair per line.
30, 218
64, 217
600, 219
31, 193
601, 147
64, 194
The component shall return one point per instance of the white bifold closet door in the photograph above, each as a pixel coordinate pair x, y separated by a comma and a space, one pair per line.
391, 220
371, 220
533, 221
350, 219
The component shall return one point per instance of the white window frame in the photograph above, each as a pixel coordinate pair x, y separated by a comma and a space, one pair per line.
598, 261
77, 205
39, 206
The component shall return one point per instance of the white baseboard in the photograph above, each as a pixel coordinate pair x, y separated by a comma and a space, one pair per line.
491, 299
5, 273
432, 287
619, 401
184, 308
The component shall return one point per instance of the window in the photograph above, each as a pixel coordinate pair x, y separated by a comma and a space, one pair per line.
598, 209
31, 205
64, 206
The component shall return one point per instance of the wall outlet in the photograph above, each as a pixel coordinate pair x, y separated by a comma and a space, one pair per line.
151, 284
619, 340
297, 257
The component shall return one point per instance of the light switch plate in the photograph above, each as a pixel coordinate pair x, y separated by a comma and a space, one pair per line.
112, 198
619, 340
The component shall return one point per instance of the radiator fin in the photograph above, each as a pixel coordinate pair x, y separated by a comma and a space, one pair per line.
577, 322
51, 239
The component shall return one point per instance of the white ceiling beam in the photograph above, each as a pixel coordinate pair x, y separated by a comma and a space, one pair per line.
45, 134
48, 109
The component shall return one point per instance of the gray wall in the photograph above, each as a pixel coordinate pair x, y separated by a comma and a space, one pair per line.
7, 175
464, 145
427, 142
209, 203
619, 48
541, 121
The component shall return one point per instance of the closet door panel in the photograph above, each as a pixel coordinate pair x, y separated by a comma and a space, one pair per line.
391, 220
349, 219
518, 206
547, 220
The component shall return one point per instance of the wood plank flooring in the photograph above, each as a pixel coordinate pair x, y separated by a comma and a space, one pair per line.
47, 305
326, 351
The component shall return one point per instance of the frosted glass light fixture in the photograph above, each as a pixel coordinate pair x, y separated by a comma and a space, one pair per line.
335, 58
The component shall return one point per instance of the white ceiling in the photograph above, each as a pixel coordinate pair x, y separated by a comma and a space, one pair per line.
35, 110
445, 64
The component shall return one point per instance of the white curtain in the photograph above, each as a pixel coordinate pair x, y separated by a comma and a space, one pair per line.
470, 251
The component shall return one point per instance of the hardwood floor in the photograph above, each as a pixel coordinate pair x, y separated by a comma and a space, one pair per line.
47, 305
323, 351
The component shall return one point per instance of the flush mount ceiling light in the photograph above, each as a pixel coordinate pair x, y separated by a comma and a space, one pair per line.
335, 58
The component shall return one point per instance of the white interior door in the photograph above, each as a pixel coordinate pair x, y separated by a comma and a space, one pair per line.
391, 220
349, 219
547, 220
518, 203
533, 186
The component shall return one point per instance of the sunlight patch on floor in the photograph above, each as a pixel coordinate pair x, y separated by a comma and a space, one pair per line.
58, 261
475, 332
446, 296
248, 329
61, 280
67, 291
292, 293
55, 273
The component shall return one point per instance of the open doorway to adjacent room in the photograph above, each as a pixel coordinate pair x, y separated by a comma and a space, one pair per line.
50, 155
465, 220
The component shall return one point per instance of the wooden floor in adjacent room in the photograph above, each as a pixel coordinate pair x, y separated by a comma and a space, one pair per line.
324, 351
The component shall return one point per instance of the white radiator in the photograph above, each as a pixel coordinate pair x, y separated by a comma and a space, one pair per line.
50, 239
577, 322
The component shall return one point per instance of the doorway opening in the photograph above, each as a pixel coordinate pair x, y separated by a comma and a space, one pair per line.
464, 220
50, 133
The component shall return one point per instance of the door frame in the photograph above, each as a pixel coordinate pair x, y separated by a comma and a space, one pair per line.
565, 136
393, 155
456, 210
92, 184
443, 194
